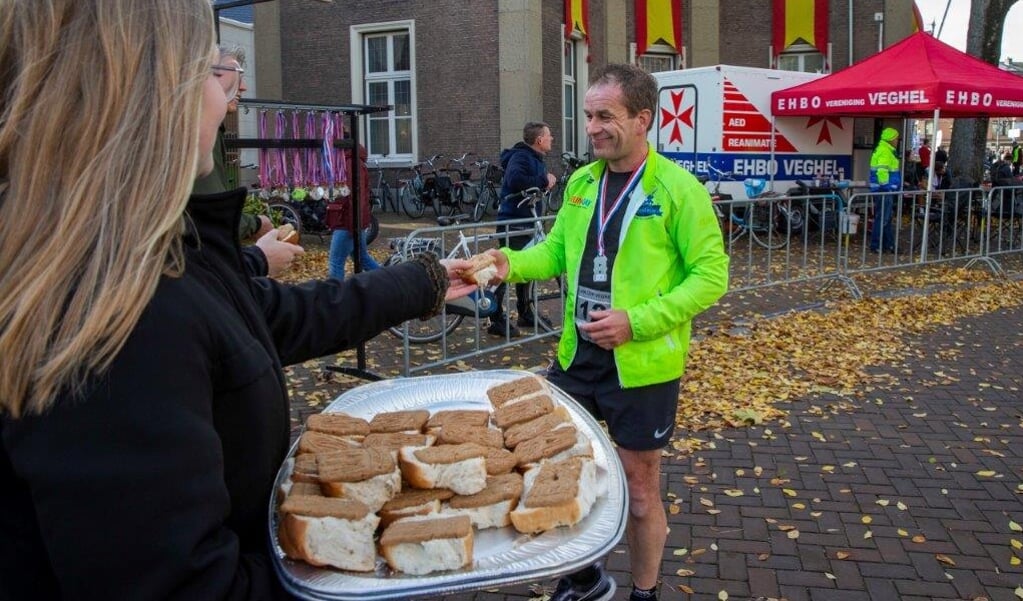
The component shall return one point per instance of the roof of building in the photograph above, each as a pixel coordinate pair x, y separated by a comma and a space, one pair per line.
242, 14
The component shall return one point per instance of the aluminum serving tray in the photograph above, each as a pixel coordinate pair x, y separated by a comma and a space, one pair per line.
502, 556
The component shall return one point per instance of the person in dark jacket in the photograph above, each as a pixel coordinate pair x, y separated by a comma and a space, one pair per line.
143, 408
523, 168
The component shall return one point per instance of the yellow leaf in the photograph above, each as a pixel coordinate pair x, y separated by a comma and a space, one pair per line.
986, 473
882, 502
902, 532
723, 596
866, 519
1016, 544
798, 506
685, 589
674, 509
733, 492
901, 506
945, 559
919, 538
868, 534
763, 556
842, 555
680, 552
706, 502
713, 511
793, 534
1019, 592
684, 573
789, 492
1014, 561
1015, 527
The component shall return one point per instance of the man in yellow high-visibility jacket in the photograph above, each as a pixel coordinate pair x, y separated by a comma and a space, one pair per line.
885, 178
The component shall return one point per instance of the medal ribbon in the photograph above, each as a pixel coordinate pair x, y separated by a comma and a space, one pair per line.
602, 219
326, 150
264, 153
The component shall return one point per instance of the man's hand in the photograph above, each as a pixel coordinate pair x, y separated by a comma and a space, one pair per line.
501, 263
551, 180
608, 328
279, 255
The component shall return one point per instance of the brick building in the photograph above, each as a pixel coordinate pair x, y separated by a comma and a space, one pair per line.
465, 75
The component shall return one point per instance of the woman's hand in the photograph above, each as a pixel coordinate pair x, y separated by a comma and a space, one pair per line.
457, 287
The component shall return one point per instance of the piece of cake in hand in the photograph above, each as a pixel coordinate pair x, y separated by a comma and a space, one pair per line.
459, 467
368, 475
328, 532
557, 493
489, 508
423, 545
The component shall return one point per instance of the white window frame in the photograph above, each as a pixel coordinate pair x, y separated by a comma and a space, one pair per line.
676, 59
578, 83
801, 52
356, 38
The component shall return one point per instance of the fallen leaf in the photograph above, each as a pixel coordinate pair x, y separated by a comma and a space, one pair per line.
1016, 544
680, 552
919, 538
733, 492
706, 502
763, 556
684, 573
1015, 527
685, 589
723, 596
986, 473
789, 492
945, 559
868, 534
1014, 561
793, 534
866, 519
901, 506
882, 502
829, 575
842, 555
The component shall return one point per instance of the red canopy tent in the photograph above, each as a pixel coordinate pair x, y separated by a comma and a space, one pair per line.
914, 78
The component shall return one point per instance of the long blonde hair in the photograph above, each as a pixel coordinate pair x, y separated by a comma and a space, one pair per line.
99, 139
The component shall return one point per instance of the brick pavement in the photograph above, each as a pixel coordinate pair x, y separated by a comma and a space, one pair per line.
906, 494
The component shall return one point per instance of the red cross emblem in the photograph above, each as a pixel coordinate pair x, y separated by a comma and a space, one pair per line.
677, 115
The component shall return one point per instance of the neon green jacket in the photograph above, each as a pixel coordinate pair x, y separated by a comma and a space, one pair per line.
671, 265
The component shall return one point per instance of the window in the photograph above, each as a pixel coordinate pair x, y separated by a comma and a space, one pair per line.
383, 68
658, 57
801, 57
570, 100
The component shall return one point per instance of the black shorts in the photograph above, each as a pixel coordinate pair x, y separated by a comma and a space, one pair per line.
638, 419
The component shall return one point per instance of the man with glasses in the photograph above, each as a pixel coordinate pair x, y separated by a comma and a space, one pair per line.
268, 256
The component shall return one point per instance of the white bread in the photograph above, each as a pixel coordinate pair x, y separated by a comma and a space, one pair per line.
328, 532
374, 492
501, 394
460, 467
481, 271
557, 493
421, 545
367, 475
491, 507
288, 233
559, 418
413, 502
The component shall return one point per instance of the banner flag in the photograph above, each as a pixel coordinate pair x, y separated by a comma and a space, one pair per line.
577, 18
658, 22
800, 21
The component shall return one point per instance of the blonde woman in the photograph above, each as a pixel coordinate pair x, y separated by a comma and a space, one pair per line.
143, 411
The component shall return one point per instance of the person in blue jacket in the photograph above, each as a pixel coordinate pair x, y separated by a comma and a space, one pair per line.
523, 168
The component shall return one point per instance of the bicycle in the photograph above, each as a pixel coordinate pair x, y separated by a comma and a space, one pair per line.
547, 294
761, 216
462, 191
380, 195
487, 201
569, 163
415, 191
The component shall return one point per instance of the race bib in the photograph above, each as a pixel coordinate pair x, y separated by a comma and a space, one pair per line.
588, 300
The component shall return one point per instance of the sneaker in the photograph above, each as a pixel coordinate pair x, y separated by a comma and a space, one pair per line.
497, 328
602, 589
529, 320
636, 597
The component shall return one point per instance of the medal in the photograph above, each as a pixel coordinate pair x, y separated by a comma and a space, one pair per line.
344, 190
600, 268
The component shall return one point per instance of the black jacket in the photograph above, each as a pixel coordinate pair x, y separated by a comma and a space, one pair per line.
523, 168
154, 483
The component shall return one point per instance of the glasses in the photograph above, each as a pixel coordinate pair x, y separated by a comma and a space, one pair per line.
230, 91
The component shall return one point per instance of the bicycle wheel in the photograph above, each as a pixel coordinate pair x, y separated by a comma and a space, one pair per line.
372, 230
386, 200
411, 202
429, 330
762, 221
486, 202
281, 213
556, 197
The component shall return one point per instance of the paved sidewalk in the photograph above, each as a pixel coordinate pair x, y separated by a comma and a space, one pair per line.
903, 495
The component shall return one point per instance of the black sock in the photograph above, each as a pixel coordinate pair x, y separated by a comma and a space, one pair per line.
643, 593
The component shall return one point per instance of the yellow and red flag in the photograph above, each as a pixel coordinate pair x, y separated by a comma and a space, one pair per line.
577, 18
800, 21
658, 22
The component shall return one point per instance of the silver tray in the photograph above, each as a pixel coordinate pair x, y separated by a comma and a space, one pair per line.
502, 556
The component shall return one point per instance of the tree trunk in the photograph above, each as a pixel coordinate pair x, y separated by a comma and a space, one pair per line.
983, 40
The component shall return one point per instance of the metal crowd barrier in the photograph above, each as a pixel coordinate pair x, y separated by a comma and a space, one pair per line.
775, 241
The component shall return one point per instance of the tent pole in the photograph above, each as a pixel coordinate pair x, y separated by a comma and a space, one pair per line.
771, 170
930, 192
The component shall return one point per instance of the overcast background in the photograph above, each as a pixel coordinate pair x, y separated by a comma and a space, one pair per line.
958, 19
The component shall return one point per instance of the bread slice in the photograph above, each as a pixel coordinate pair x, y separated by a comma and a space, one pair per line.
489, 508
461, 433
305, 489
523, 409
500, 394
460, 467
468, 417
328, 532
524, 431
423, 545
413, 502
545, 446
481, 270
319, 442
557, 493
306, 469
338, 424
368, 475
399, 421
